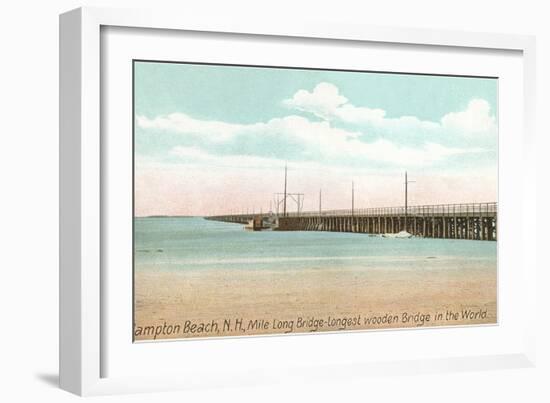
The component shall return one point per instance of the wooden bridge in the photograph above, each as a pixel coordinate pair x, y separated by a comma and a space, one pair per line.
476, 221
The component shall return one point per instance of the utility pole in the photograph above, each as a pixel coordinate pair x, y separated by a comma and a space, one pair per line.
284, 200
406, 194
320, 202
352, 198
406, 197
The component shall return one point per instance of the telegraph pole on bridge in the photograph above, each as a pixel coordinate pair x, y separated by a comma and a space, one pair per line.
406, 197
352, 198
320, 202
284, 199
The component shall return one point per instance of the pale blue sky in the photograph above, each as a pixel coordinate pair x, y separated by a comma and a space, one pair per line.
248, 95
209, 118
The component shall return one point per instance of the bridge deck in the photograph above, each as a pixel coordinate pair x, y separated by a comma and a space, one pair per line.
455, 221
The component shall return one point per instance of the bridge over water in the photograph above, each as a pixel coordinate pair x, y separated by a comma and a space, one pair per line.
452, 221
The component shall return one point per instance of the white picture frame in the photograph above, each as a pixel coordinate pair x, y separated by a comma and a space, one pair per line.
82, 347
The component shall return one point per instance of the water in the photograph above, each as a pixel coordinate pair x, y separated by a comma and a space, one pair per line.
192, 243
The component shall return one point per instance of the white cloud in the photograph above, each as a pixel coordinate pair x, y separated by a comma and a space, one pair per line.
311, 137
292, 128
308, 138
354, 114
182, 123
475, 119
322, 101
326, 102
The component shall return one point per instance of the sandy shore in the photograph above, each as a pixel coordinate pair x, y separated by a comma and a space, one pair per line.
213, 303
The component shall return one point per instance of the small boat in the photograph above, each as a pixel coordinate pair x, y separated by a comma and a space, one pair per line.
256, 224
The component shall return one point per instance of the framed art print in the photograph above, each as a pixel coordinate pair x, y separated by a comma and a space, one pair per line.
245, 203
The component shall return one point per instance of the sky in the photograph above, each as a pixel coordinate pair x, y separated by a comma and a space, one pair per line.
214, 140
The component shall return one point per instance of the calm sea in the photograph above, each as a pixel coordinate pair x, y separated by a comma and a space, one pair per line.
193, 243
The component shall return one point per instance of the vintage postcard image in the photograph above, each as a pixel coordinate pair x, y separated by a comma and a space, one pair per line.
276, 200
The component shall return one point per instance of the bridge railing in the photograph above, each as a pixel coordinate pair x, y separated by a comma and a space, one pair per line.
474, 209
468, 209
